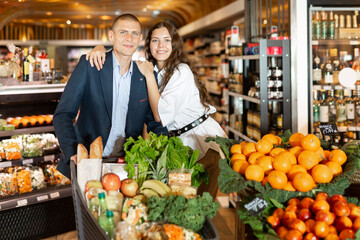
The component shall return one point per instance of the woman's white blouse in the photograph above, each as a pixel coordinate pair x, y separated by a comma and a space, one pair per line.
179, 105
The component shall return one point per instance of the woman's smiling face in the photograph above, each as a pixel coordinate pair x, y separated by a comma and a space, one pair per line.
160, 45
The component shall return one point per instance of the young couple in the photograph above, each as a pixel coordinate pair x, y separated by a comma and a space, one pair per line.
182, 105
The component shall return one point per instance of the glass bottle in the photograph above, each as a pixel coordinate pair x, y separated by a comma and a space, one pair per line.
341, 110
336, 17
324, 25
343, 63
328, 69
350, 108
357, 108
331, 33
316, 26
332, 106
26, 66
316, 72
324, 108
336, 65
316, 109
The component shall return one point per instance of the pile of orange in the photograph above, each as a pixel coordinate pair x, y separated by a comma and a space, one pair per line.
328, 218
298, 168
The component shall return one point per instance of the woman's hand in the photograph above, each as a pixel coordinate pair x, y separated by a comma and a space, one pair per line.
146, 68
97, 56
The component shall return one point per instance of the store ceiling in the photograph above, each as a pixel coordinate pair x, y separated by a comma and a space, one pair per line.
101, 12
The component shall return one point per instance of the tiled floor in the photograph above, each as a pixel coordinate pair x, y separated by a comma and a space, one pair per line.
224, 222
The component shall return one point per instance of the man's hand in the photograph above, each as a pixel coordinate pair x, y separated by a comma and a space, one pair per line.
145, 67
97, 56
74, 158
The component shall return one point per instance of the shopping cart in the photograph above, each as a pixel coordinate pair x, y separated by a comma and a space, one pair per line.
88, 228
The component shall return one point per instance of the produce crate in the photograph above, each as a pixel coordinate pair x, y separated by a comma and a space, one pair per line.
88, 228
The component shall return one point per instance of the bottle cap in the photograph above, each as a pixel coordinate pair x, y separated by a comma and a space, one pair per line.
109, 213
101, 195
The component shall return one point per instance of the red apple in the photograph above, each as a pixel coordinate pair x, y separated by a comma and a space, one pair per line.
304, 214
111, 181
325, 216
129, 187
337, 197
341, 209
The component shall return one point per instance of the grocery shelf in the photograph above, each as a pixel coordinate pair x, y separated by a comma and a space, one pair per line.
344, 129
237, 133
208, 65
218, 79
20, 131
213, 91
34, 197
34, 160
248, 57
247, 98
336, 42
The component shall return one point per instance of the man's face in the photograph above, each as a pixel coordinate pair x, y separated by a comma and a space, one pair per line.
125, 36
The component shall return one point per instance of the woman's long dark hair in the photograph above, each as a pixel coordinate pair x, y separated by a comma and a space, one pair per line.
177, 56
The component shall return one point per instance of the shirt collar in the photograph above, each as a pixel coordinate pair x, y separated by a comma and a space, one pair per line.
161, 72
117, 65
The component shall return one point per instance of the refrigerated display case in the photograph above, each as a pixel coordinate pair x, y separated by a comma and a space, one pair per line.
334, 42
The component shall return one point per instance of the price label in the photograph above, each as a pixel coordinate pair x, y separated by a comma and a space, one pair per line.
256, 206
49, 158
54, 195
5, 164
328, 129
315, 42
22, 202
28, 161
354, 42
42, 198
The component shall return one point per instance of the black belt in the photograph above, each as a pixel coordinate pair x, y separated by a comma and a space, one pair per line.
197, 122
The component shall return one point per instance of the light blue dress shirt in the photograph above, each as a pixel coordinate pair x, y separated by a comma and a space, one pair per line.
121, 94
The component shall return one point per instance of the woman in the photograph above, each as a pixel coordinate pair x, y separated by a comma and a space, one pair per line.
182, 105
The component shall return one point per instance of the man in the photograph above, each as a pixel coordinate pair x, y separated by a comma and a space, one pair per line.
113, 102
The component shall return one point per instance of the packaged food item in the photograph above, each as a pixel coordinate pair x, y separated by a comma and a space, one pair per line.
185, 190
180, 177
7, 184
134, 212
12, 149
37, 177
48, 169
125, 231
8, 127
23, 179
154, 231
31, 146
59, 178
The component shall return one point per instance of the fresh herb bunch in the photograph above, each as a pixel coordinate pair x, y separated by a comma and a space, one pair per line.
157, 155
189, 213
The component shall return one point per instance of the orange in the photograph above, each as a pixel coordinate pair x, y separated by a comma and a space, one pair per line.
303, 182
347, 234
327, 154
308, 159
289, 187
294, 170
236, 148
236, 166
288, 155
282, 163
321, 229
338, 156
237, 156
320, 153
321, 174
281, 232
243, 168
264, 181
310, 142
279, 140
254, 157
331, 236
265, 163
296, 150
295, 139
264, 146
293, 234
274, 221
248, 148
277, 179
276, 151
271, 137
334, 167
254, 172
356, 224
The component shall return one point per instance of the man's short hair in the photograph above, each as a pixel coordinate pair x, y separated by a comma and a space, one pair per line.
126, 16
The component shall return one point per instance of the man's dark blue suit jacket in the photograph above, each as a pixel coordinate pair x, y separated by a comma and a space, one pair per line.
91, 91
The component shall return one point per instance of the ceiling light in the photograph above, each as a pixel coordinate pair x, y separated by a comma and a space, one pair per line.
68, 22
19, 0
148, 6
156, 13
49, 13
88, 16
117, 12
144, 9
265, 21
105, 17
82, 26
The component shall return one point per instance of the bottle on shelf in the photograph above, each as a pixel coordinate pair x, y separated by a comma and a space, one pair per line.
336, 17
328, 69
336, 65
343, 63
356, 62
316, 108
331, 23
332, 106
350, 108
341, 110
316, 26
26, 66
316, 71
324, 25
357, 109
323, 108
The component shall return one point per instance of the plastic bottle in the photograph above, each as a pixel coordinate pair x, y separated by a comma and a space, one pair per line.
107, 223
102, 205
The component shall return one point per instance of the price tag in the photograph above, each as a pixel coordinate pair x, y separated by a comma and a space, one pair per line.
54, 195
28, 161
315, 42
5, 164
42, 198
22, 202
328, 129
256, 206
49, 158
354, 42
